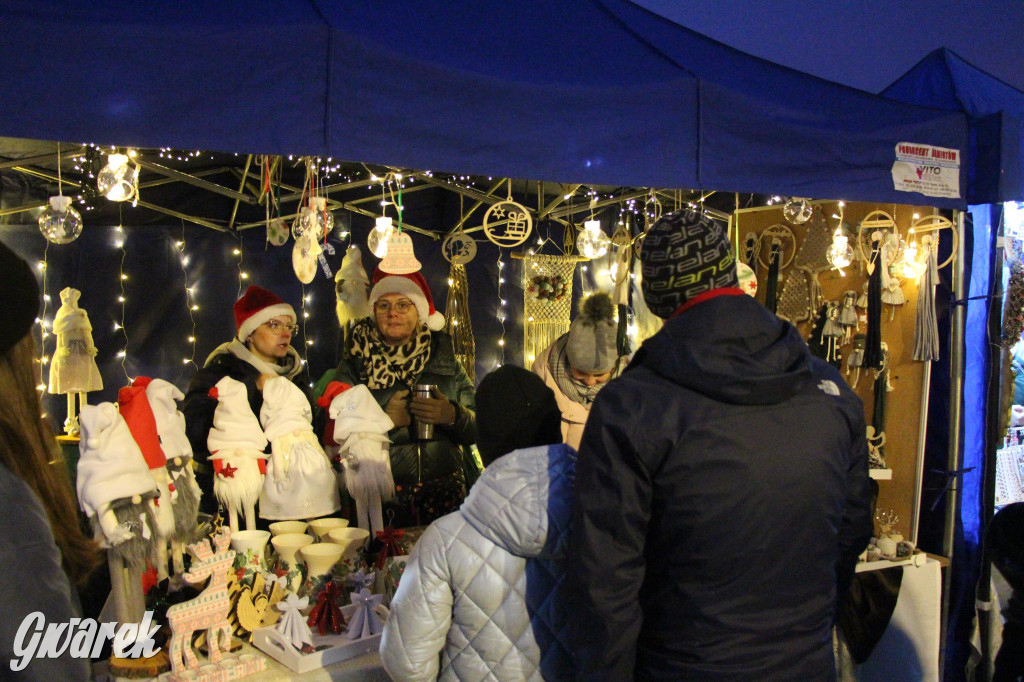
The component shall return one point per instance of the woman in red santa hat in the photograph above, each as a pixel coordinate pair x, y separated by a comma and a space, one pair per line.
397, 347
261, 350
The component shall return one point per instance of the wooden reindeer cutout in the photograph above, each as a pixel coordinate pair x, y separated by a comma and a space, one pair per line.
208, 611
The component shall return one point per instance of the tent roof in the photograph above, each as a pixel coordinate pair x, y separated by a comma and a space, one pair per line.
945, 80
583, 91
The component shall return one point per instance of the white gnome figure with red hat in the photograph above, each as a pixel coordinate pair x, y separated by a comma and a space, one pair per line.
237, 445
185, 493
300, 482
116, 492
361, 430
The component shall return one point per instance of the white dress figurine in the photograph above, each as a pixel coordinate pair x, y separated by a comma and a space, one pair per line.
300, 482
73, 369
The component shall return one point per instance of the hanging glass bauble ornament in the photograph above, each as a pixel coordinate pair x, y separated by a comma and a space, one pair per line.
840, 254
118, 180
797, 211
379, 237
60, 223
592, 242
313, 220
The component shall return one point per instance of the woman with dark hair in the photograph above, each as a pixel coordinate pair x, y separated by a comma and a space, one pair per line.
42, 547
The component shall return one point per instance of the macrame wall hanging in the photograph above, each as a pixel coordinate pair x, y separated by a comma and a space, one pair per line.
547, 299
457, 322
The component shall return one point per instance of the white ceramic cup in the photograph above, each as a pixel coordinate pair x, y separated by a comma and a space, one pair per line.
320, 558
283, 527
321, 526
350, 539
251, 542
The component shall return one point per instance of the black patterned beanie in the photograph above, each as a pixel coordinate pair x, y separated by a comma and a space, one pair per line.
684, 254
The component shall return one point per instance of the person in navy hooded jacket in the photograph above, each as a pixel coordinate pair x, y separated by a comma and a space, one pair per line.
722, 489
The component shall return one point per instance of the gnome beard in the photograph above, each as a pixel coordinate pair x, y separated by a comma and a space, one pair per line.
184, 501
139, 520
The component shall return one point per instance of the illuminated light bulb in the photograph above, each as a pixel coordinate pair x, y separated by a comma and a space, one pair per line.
122, 353
120, 299
236, 252
840, 254
245, 275
184, 361
60, 223
119, 180
41, 265
380, 236
124, 276
195, 307
592, 242
191, 339
501, 342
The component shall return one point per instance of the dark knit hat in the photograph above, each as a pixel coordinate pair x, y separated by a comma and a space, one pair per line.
684, 254
514, 409
592, 344
1005, 543
20, 293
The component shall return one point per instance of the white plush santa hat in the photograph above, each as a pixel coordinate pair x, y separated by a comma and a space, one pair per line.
111, 465
234, 424
170, 422
285, 409
415, 287
257, 306
356, 411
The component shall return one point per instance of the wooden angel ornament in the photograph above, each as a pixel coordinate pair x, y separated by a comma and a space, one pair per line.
237, 445
73, 370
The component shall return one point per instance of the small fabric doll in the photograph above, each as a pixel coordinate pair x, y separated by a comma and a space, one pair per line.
891, 292
300, 483
856, 359
236, 443
848, 314
832, 331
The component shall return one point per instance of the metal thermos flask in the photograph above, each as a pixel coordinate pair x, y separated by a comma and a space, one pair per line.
424, 431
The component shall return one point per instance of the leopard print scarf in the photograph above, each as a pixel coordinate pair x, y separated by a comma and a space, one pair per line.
383, 365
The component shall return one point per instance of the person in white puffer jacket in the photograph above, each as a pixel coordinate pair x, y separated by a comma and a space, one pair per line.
480, 595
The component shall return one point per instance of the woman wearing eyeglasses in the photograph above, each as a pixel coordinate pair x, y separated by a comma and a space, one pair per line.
260, 351
396, 348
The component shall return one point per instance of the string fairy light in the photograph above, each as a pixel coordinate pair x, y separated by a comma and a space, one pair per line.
190, 300
43, 322
501, 314
119, 240
239, 253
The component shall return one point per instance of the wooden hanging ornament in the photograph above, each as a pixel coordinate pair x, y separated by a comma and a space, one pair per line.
459, 248
508, 223
400, 258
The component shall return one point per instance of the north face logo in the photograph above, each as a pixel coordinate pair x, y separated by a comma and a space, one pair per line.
829, 387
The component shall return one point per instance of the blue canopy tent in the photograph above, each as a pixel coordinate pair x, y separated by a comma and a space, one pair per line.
599, 92
995, 172
587, 91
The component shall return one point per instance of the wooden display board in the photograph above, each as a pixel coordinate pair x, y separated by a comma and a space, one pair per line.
903, 410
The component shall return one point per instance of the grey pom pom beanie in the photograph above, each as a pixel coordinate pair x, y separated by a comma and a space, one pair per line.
592, 344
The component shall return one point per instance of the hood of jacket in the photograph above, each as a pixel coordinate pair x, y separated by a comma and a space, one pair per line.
521, 502
732, 350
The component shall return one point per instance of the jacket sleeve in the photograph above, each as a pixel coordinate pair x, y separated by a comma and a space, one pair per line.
857, 524
463, 431
611, 512
421, 613
198, 408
